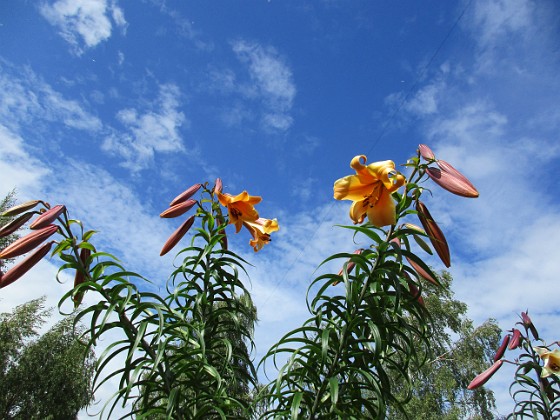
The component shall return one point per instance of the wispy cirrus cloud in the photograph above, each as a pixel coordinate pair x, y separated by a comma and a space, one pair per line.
84, 23
148, 131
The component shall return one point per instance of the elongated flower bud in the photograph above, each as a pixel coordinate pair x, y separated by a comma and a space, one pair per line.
18, 270
515, 339
28, 242
528, 324
15, 224
426, 152
485, 376
450, 179
79, 278
414, 291
20, 208
177, 235
178, 209
48, 217
502, 348
217, 186
349, 265
422, 273
188, 193
435, 234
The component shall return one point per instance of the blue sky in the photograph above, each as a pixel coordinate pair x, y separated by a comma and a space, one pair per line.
115, 107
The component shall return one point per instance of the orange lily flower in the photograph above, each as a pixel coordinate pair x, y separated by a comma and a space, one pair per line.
370, 190
551, 361
240, 207
261, 230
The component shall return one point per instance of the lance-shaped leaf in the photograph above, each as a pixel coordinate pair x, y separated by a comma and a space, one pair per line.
28, 242
18, 270
80, 276
177, 235
515, 339
178, 209
188, 193
20, 208
485, 376
435, 234
48, 217
15, 224
502, 349
426, 152
450, 179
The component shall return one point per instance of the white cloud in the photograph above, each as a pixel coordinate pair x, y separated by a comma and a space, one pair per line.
271, 83
26, 99
155, 130
83, 23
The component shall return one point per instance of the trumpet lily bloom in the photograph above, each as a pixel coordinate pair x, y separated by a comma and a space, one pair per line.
240, 207
551, 361
370, 190
261, 230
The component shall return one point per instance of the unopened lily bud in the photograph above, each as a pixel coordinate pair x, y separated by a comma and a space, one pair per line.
20, 208
15, 224
452, 180
435, 234
349, 265
528, 324
79, 278
414, 291
185, 195
28, 242
515, 339
422, 273
177, 235
502, 348
486, 375
426, 152
18, 270
178, 209
48, 217
217, 186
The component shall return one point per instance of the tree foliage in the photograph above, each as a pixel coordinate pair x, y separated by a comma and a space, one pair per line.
42, 376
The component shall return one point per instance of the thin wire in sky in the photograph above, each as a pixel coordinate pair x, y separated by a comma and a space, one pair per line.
374, 143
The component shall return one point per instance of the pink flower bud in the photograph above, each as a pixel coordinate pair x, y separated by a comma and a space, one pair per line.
177, 235
48, 217
178, 209
435, 234
422, 273
426, 152
217, 186
28, 242
15, 224
18, 270
485, 376
502, 348
452, 180
515, 339
185, 195
528, 324
20, 208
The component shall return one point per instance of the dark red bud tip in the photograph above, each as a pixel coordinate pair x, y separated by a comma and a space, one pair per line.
48, 217
515, 339
426, 152
15, 224
178, 209
502, 348
177, 235
185, 195
526, 320
485, 376
217, 186
28, 242
18, 270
